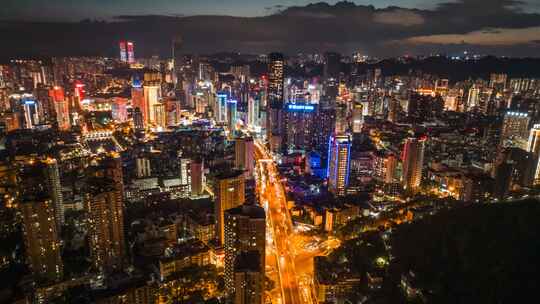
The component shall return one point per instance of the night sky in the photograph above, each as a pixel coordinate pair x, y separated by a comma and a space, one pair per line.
390, 28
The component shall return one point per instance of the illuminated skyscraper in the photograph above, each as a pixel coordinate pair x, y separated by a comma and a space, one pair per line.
41, 236
178, 61
339, 161
105, 213
221, 107
276, 67
123, 51
185, 172
61, 107
130, 52
244, 159
230, 193
42, 176
138, 100
31, 112
245, 231
413, 160
152, 95
232, 112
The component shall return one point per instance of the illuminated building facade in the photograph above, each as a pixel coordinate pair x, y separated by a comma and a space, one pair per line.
245, 231
41, 237
61, 107
276, 67
248, 278
232, 114
130, 52
533, 146
123, 51
515, 129
230, 193
339, 162
413, 161
104, 207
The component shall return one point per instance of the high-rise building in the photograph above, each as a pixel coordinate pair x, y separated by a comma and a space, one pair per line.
197, 177
152, 95
298, 125
230, 193
123, 51
105, 213
232, 112
339, 162
244, 159
413, 161
43, 176
248, 278
130, 52
244, 232
178, 61
515, 129
31, 113
61, 107
138, 100
276, 67
185, 172
41, 237
533, 146
332, 65
221, 107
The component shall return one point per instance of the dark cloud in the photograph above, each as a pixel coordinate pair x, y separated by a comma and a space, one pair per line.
344, 27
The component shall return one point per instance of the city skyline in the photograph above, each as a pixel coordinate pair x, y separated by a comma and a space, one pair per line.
250, 152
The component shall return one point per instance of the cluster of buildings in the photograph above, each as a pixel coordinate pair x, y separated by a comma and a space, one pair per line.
146, 169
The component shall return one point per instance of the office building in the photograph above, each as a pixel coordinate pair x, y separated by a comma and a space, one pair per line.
339, 162
413, 161
244, 232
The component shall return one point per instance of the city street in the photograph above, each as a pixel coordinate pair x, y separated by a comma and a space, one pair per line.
295, 287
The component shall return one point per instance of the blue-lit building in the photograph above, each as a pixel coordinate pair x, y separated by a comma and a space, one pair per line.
299, 125
339, 163
232, 115
221, 106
